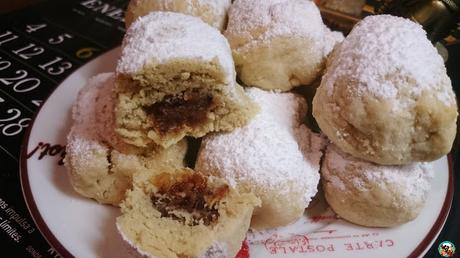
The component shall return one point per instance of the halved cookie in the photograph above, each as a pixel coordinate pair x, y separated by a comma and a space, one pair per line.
183, 213
176, 78
100, 166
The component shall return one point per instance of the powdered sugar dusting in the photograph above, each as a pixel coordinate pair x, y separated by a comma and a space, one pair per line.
388, 57
160, 37
331, 39
189, 6
412, 180
83, 138
260, 21
268, 151
336, 181
217, 8
359, 184
83, 110
216, 250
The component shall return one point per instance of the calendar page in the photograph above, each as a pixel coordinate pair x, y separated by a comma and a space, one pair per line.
39, 47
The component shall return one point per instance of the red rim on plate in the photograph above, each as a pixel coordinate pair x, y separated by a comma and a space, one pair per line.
421, 249
429, 239
29, 198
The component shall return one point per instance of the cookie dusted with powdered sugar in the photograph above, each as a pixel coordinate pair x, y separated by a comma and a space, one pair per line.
385, 96
331, 40
183, 213
276, 44
213, 12
374, 195
176, 78
275, 156
101, 167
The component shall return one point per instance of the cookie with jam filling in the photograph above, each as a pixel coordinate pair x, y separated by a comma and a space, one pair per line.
176, 78
183, 213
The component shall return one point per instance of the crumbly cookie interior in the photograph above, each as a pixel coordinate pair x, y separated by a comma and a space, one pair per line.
188, 198
164, 103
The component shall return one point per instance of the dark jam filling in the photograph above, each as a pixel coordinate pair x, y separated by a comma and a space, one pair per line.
189, 192
174, 112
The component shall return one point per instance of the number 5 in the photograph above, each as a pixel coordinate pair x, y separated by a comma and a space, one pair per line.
59, 39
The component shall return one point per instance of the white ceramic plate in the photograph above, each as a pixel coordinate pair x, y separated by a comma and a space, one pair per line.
76, 226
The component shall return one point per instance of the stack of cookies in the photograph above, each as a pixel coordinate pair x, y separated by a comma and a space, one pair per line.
387, 105
258, 165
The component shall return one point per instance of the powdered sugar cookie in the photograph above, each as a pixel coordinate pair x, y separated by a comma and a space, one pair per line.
274, 156
213, 12
276, 44
374, 195
385, 96
183, 213
176, 78
331, 39
97, 168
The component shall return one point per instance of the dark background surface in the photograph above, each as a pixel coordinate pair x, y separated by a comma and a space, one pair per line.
10, 188
37, 29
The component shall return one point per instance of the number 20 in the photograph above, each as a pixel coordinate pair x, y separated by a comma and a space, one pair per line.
21, 80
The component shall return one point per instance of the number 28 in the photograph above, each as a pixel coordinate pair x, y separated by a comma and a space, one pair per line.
10, 128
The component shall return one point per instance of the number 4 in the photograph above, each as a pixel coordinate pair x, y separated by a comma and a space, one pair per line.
34, 27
